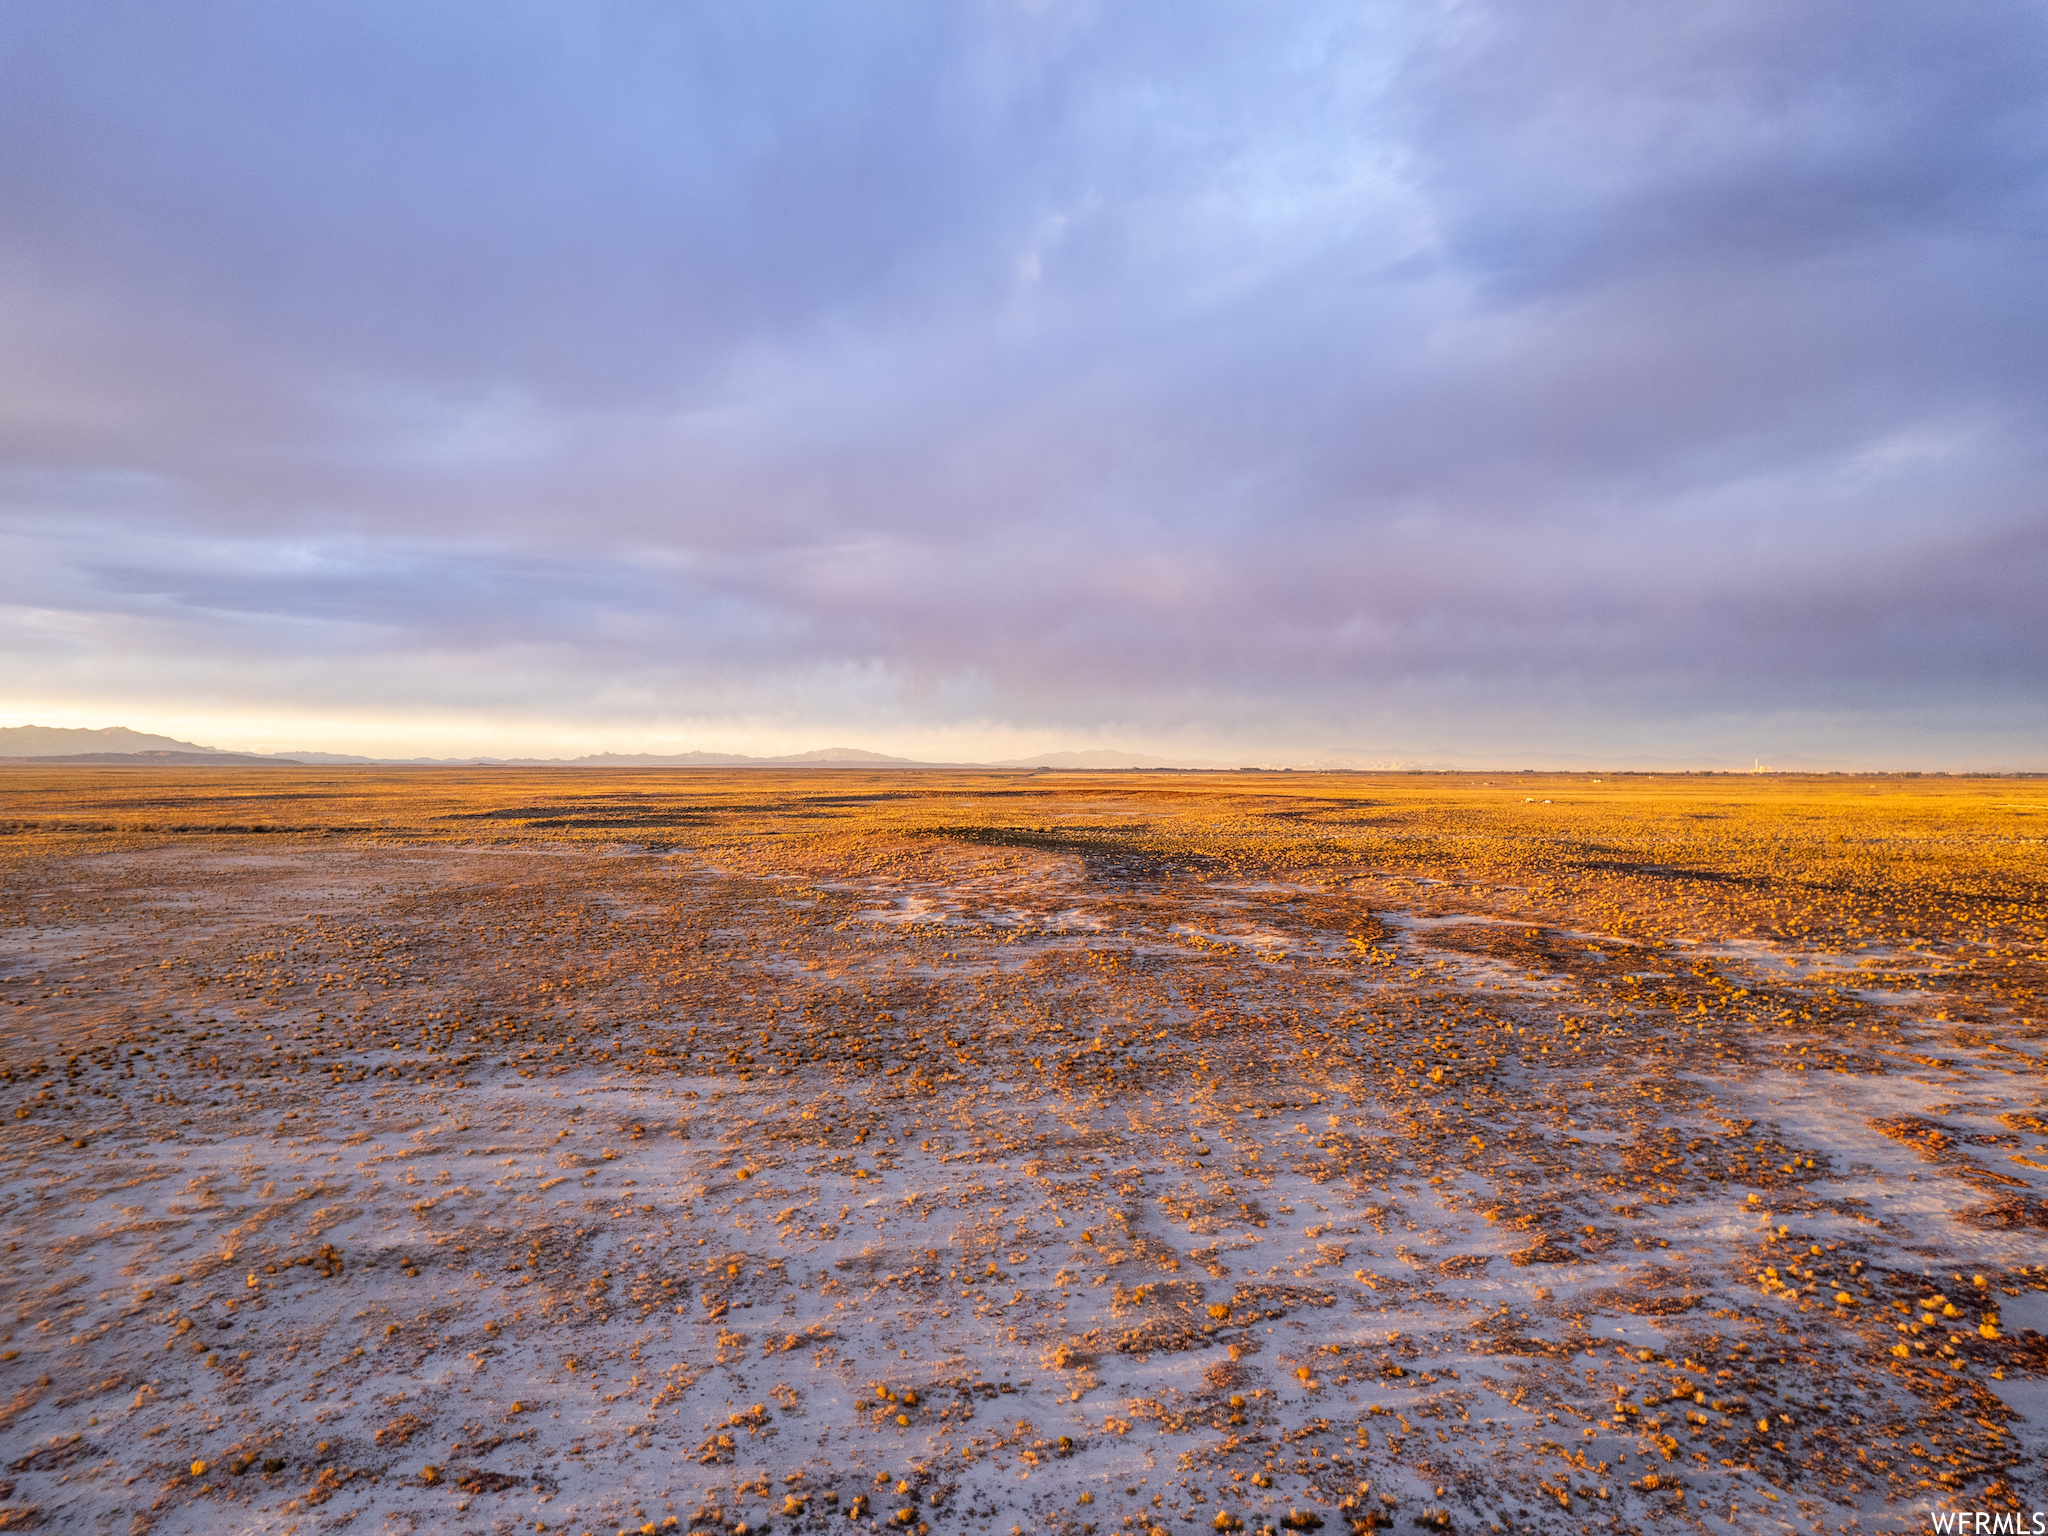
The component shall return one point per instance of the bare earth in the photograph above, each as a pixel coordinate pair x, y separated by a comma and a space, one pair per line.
586, 1151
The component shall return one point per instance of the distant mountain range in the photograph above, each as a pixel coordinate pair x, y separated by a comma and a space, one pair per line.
825, 755
117, 745
1105, 759
59, 741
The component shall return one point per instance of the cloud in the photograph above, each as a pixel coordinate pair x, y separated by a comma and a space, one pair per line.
1205, 376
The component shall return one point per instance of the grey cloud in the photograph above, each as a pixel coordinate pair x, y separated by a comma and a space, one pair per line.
1456, 371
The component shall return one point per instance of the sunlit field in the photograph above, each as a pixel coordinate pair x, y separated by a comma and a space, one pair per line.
493, 1150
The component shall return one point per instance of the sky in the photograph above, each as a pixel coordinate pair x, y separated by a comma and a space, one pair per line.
961, 380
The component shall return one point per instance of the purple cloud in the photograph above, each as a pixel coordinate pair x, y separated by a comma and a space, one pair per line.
1497, 377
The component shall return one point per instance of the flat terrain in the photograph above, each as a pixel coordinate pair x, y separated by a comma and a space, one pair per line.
582, 1151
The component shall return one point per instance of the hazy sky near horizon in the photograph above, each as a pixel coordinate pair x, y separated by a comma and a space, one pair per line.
967, 379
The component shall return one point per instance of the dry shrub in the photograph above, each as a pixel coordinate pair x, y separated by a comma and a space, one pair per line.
400, 1429
2008, 1213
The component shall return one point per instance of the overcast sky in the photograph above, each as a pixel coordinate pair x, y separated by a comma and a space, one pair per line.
963, 379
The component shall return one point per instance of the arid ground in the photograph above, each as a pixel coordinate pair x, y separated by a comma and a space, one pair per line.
495, 1150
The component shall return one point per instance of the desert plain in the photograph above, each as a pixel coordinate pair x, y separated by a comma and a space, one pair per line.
589, 1151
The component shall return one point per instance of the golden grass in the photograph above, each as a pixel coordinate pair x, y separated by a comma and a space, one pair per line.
1937, 859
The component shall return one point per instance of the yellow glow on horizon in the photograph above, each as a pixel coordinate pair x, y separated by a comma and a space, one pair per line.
439, 734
